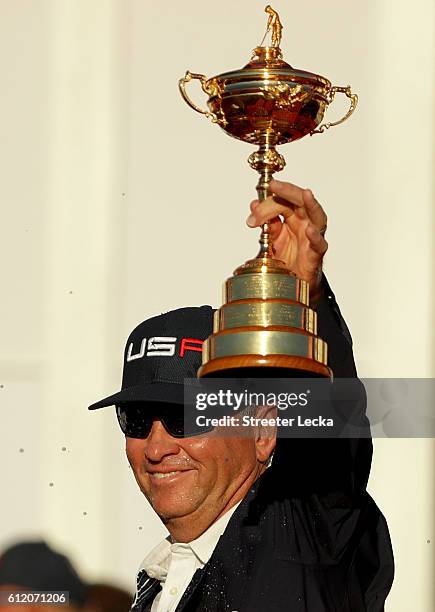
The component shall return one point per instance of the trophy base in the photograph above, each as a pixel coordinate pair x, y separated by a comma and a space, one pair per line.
265, 322
226, 367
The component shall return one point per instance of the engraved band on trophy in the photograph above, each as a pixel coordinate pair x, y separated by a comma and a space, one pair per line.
265, 320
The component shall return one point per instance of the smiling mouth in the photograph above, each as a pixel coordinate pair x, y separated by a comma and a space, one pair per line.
162, 475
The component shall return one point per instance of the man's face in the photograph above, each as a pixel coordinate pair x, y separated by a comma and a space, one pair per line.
194, 477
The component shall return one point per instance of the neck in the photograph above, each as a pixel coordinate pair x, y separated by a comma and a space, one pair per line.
189, 527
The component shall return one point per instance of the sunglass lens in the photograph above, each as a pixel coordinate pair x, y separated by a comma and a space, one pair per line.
173, 422
134, 421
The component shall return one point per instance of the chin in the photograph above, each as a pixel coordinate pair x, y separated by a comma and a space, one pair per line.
173, 507
167, 513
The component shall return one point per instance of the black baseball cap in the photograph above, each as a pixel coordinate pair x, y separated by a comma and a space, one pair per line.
36, 566
160, 353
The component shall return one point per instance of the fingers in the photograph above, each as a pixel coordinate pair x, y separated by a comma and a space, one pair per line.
267, 209
283, 245
317, 242
315, 212
288, 191
301, 199
275, 227
275, 223
288, 199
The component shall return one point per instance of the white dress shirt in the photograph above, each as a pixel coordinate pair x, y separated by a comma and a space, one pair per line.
174, 564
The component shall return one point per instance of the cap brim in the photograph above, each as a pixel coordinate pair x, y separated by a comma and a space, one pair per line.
163, 392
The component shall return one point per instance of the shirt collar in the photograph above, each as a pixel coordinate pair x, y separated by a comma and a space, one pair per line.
156, 563
205, 544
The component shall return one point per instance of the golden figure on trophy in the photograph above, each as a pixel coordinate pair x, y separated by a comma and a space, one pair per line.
274, 25
265, 320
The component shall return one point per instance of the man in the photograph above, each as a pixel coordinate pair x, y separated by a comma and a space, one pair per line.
302, 534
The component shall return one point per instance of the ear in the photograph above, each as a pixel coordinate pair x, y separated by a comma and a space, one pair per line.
265, 432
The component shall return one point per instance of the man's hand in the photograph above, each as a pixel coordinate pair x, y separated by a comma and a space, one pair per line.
298, 239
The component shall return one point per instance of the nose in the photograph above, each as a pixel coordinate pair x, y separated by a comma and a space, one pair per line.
159, 443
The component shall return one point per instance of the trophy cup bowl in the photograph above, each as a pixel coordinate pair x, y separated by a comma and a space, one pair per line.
267, 98
266, 319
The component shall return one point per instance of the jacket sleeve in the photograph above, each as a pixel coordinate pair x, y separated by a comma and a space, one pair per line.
330, 465
333, 329
331, 475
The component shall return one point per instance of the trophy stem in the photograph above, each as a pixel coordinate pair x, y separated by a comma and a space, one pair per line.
266, 248
266, 161
266, 175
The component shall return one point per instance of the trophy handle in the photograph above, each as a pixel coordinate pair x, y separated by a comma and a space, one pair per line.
182, 86
353, 102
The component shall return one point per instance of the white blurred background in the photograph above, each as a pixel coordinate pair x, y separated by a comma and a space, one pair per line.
119, 202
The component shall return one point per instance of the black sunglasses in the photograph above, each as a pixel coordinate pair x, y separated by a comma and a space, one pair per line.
136, 420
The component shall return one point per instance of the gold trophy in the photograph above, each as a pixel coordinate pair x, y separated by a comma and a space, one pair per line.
266, 320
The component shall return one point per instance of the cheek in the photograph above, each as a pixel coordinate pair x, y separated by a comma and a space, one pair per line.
221, 457
205, 455
134, 451
239, 459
